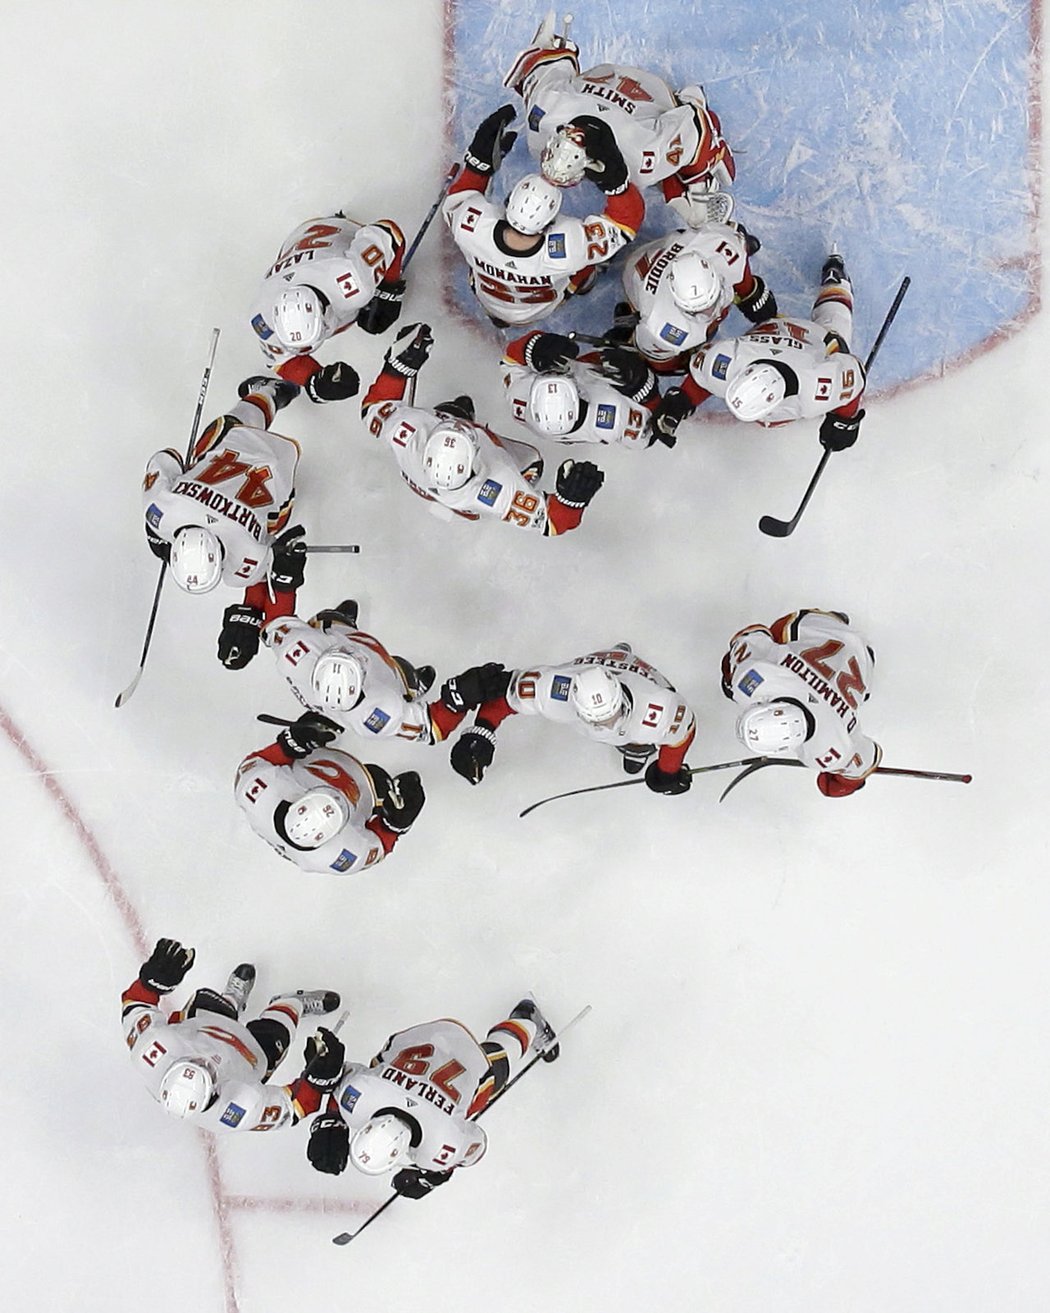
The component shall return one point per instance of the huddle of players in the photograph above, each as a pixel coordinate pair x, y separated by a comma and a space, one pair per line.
224, 515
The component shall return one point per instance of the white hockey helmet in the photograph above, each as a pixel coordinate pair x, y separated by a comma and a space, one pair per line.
564, 157
195, 560
337, 680
596, 696
533, 204
187, 1087
694, 283
773, 729
318, 816
756, 391
381, 1144
448, 455
554, 405
298, 318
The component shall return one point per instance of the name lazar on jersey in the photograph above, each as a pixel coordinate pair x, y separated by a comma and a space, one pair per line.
426, 1091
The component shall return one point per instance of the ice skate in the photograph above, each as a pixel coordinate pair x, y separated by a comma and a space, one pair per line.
528, 1010
240, 985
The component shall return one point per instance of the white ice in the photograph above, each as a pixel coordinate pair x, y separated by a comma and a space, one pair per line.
816, 1075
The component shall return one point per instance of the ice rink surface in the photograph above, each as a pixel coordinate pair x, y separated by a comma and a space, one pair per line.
816, 1075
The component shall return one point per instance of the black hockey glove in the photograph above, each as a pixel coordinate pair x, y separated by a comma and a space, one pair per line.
760, 304
577, 482
403, 802
239, 636
384, 309
279, 390
628, 373
289, 560
328, 1148
325, 1057
550, 353
625, 321
837, 433
410, 357
334, 382
166, 966
415, 1183
663, 782
157, 545
461, 407
474, 686
472, 753
611, 171
674, 407
491, 142
310, 732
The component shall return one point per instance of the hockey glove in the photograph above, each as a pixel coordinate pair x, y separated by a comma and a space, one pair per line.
664, 782
837, 433
403, 802
157, 545
166, 966
461, 407
727, 678
577, 482
674, 407
608, 170
415, 1183
491, 142
325, 1057
289, 560
409, 358
278, 390
474, 686
329, 1145
625, 321
239, 636
627, 372
549, 353
472, 753
759, 304
310, 732
383, 310
334, 382
837, 786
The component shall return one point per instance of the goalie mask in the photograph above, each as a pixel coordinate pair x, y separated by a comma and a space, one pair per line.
564, 157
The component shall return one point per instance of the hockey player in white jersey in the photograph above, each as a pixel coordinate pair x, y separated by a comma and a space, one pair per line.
220, 519
668, 138
413, 1109
335, 668
801, 682
782, 370
524, 260
319, 808
602, 396
611, 696
203, 1063
460, 467
682, 286
329, 274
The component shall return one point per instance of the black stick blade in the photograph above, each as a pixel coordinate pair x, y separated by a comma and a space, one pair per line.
775, 528
343, 1238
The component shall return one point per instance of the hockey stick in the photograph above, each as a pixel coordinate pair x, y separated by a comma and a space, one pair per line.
344, 1237
348, 548
205, 380
622, 784
879, 770
573, 336
450, 178
769, 524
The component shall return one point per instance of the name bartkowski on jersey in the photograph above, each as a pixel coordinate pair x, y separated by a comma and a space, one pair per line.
425, 1090
509, 276
822, 688
215, 501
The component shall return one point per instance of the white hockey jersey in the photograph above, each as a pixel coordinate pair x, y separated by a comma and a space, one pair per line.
344, 260
240, 487
260, 786
656, 134
664, 330
818, 660
497, 489
521, 289
609, 416
430, 1073
387, 708
232, 1052
828, 377
656, 713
